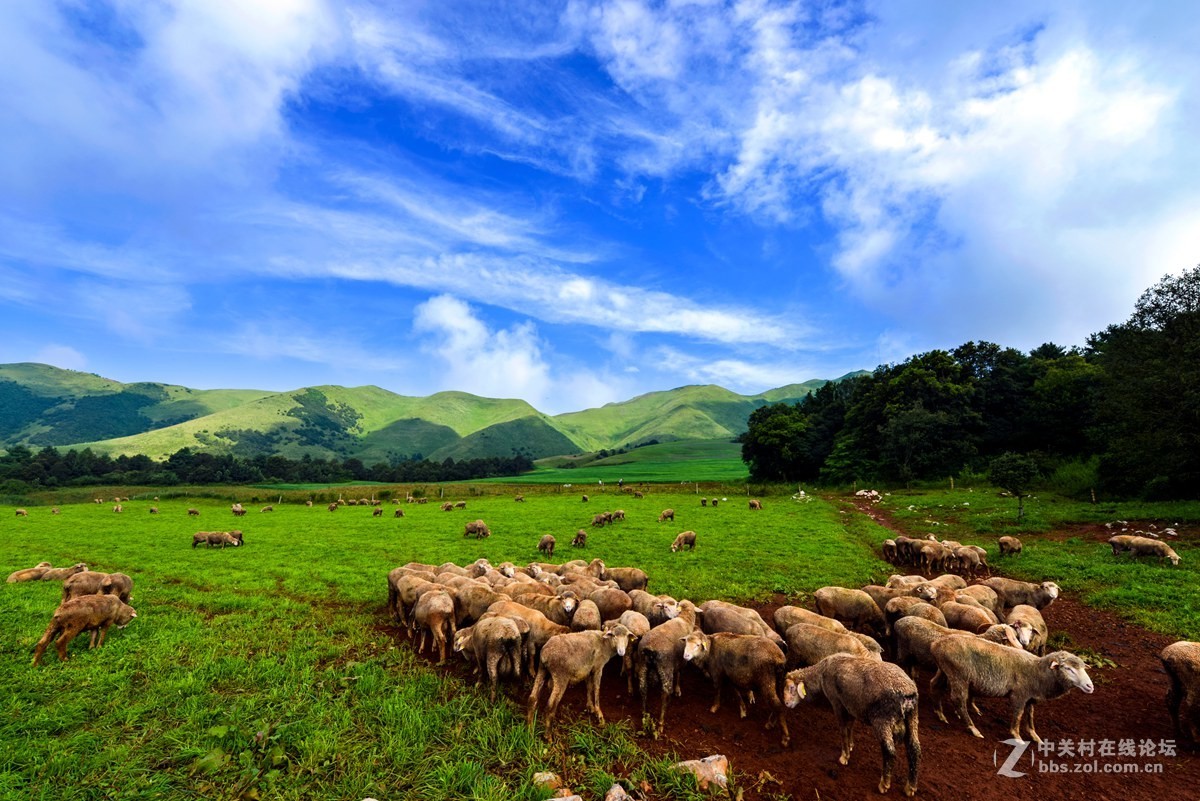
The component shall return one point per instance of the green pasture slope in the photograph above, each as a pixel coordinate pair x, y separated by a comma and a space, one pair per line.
1057, 547
272, 671
686, 461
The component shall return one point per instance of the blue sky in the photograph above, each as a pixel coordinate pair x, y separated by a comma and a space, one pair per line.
577, 202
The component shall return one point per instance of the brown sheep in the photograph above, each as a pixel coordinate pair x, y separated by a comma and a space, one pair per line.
750, 663
876, 693
638, 495
1182, 663
267, 509
580, 539
494, 641
914, 636
193, 512
546, 545
755, 504
55, 511
718, 616
571, 658
478, 528
1012, 592
447, 507
627, 578
118, 508
587, 617
600, 519
398, 513
94, 613
460, 505
808, 645
433, 613
966, 617
969, 665
854, 608
657, 609
61, 573
685, 539
667, 514
704, 501
714, 503
153, 510
333, 507
86, 582
611, 602
788, 616
1032, 626
1010, 546
519, 499
34, 573
660, 653
541, 628
638, 626
618, 514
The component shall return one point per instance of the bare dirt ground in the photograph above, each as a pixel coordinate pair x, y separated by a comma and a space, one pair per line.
1127, 706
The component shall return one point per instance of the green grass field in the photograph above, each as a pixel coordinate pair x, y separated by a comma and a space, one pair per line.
287, 637
686, 461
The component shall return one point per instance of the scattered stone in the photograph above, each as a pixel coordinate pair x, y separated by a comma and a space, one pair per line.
710, 770
617, 793
547, 781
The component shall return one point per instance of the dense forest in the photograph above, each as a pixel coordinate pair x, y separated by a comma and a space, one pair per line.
22, 469
1120, 414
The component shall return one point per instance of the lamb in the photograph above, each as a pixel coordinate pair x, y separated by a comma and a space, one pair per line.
587, 616
580, 539
971, 665
685, 539
755, 504
1010, 546
876, 693
1144, 546
1011, 592
966, 617
398, 513
546, 545
94, 613
854, 608
1031, 627
704, 501
915, 635
749, 662
153, 510
571, 658
434, 615
1182, 663
30, 573
808, 645
494, 641
192, 512
660, 652
476, 527
714, 503
788, 616
667, 514
61, 573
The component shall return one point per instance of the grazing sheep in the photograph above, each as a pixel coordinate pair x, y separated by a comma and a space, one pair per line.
599, 520
981, 594
308, 503
1144, 546
495, 642
86, 582
1012, 592
153, 510
585, 499
660, 653
94, 613
34, 573
118, 584
889, 551
587, 616
788, 616
478, 528
854, 608
1031, 627
447, 507
755, 504
571, 658
398, 513
193, 512
1010, 546
667, 514
519, 498
714, 503
969, 665
61, 573
876, 693
333, 507
808, 645
750, 662
1182, 663
638, 495
221, 538
627, 578
580, 539
118, 509
56, 511
434, 615
546, 545
970, 561
685, 539
460, 505
267, 509
914, 636
704, 501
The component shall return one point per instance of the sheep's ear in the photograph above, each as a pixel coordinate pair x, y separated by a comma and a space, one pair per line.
1054, 664
800, 688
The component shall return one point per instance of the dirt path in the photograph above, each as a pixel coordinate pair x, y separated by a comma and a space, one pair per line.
1126, 707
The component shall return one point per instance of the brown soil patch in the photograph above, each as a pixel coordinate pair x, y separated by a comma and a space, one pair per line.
1127, 705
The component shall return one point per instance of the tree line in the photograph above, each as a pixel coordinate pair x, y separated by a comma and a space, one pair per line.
22, 469
1121, 413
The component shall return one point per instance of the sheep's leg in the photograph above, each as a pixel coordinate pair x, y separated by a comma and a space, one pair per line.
1033, 735
846, 725
737, 691
1173, 702
103, 634
52, 631
666, 677
886, 734
627, 669
771, 699
594, 680
558, 687
937, 688
70, 631
538, 682
716, 693
912, 744
493, 673
960, 697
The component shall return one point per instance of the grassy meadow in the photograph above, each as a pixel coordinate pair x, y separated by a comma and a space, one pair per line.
685, 461
269, 670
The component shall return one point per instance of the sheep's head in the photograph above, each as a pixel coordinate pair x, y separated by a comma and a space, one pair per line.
793, 689
620, 636
1174, 557
696, 645
124, 615
1051, 589
461, 638
1071, 670
669, 609
1024, 632
926, 591
569, 602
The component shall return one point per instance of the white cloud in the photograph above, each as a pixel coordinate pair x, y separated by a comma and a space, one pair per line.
269, 340
63, 356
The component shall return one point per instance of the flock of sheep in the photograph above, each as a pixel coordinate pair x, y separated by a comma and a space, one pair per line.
91, 601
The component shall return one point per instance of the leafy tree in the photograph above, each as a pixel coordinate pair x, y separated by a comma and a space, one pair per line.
1014, 473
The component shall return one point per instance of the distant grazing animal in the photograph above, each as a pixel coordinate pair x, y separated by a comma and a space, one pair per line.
22, 513
685, 539
546, 545
460, 505
55, 511
153, 510
638, 495
118, 509
267, 509
193, 512
399, 513
585, 499
755, 503
333, 507
667, 514
519, 499
580, 539
94, 613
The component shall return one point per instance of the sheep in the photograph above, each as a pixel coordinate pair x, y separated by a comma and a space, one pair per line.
221, 538
55, 511
618, 514
61, 573
333, 507
627, 578
656, 608
876, 693
473, 599
755, 504
601, 519
1010, 546
718, 616
788, 616
660, 653
1031, 627
612, 602
193, 512
398, 513
1011, 592
460, 505
808, 645
494, 641
153, 510
911, 606
587, 616
638, 494
1144, 546
881, 595
667, 514
571, 658
434, 614
897, 581
889, 551
704, 501
966, 617
914, 636
267, 508
585, 499
546, 545
30, 573
519, 498
557, 609
854, 608
749, 661
476, 527
714, 503
685, 539
1182, 663
94, 613
580, 539
541, 628
447, 507
970, 560
638, 625
308, 503
970, 665
86, 582
981, 594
